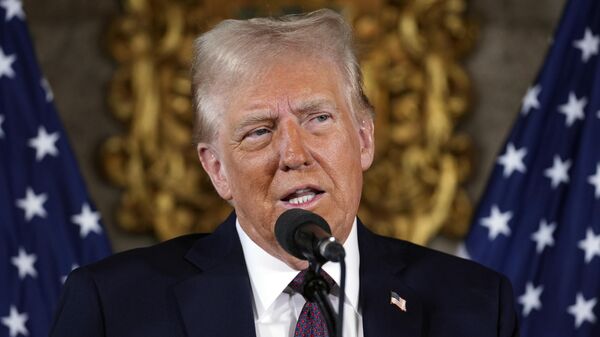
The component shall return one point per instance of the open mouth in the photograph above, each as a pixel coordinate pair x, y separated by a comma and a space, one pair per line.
302, 196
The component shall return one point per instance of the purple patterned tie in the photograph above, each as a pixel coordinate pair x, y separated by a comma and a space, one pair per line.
310, 322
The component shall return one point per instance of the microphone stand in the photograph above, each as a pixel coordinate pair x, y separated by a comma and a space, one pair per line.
316, 290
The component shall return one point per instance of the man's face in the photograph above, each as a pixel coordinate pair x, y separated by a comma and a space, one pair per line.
289, 140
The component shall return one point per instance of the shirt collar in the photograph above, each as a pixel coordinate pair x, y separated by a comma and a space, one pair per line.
270, 276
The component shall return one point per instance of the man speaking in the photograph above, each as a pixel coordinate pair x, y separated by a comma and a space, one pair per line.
282, 123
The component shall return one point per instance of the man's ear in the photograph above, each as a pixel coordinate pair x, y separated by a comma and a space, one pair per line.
212, 164
366, 135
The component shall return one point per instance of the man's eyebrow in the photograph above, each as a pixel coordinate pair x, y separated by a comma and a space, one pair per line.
314, 105
256, 118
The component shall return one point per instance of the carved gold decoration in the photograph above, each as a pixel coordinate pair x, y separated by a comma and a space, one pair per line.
410, 53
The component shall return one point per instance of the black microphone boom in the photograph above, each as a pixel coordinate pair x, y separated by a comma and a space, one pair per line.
307, 236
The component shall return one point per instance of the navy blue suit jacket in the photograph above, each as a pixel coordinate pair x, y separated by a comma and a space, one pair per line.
198, 285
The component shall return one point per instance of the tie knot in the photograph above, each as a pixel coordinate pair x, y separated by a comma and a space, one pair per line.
297, 283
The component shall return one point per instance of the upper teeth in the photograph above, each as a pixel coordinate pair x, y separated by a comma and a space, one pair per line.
302, 199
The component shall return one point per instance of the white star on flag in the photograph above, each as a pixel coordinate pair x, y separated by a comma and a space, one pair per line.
33, 204
531, 101
573, 109
497, 222
595, 180
13, 8
15, 322
583, 310
544, 235
6, 62
591, 245
44, 143
24, 263
558, 173
512, 160
588, 45
87, 221
531, 298
47, 89
1, 122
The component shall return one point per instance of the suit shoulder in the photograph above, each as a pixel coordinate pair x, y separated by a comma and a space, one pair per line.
426, 264
442, 280
449, 292
163, 258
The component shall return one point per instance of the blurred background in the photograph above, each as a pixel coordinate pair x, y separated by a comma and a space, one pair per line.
70, 38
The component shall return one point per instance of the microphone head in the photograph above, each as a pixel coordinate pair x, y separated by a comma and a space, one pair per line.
289, 222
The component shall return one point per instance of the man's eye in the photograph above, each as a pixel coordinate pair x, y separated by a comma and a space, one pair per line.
259, 132
322, 118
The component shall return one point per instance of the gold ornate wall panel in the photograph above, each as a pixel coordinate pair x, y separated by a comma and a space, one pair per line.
410, 55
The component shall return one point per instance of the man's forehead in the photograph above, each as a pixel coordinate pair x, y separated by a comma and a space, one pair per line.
313, 103
294, 104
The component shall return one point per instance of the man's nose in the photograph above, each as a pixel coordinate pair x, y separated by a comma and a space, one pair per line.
294, 153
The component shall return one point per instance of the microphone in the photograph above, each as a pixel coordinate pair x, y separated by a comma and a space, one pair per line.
307, 236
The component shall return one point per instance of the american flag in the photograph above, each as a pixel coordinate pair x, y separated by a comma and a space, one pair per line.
48, 225
398, 301
539, 219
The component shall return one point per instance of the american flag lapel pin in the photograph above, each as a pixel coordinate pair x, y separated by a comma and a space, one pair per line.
398, 301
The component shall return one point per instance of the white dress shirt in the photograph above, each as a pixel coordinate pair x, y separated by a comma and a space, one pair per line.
276, 309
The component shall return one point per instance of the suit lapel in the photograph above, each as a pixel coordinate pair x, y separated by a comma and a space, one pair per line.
381, 266
217, 301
